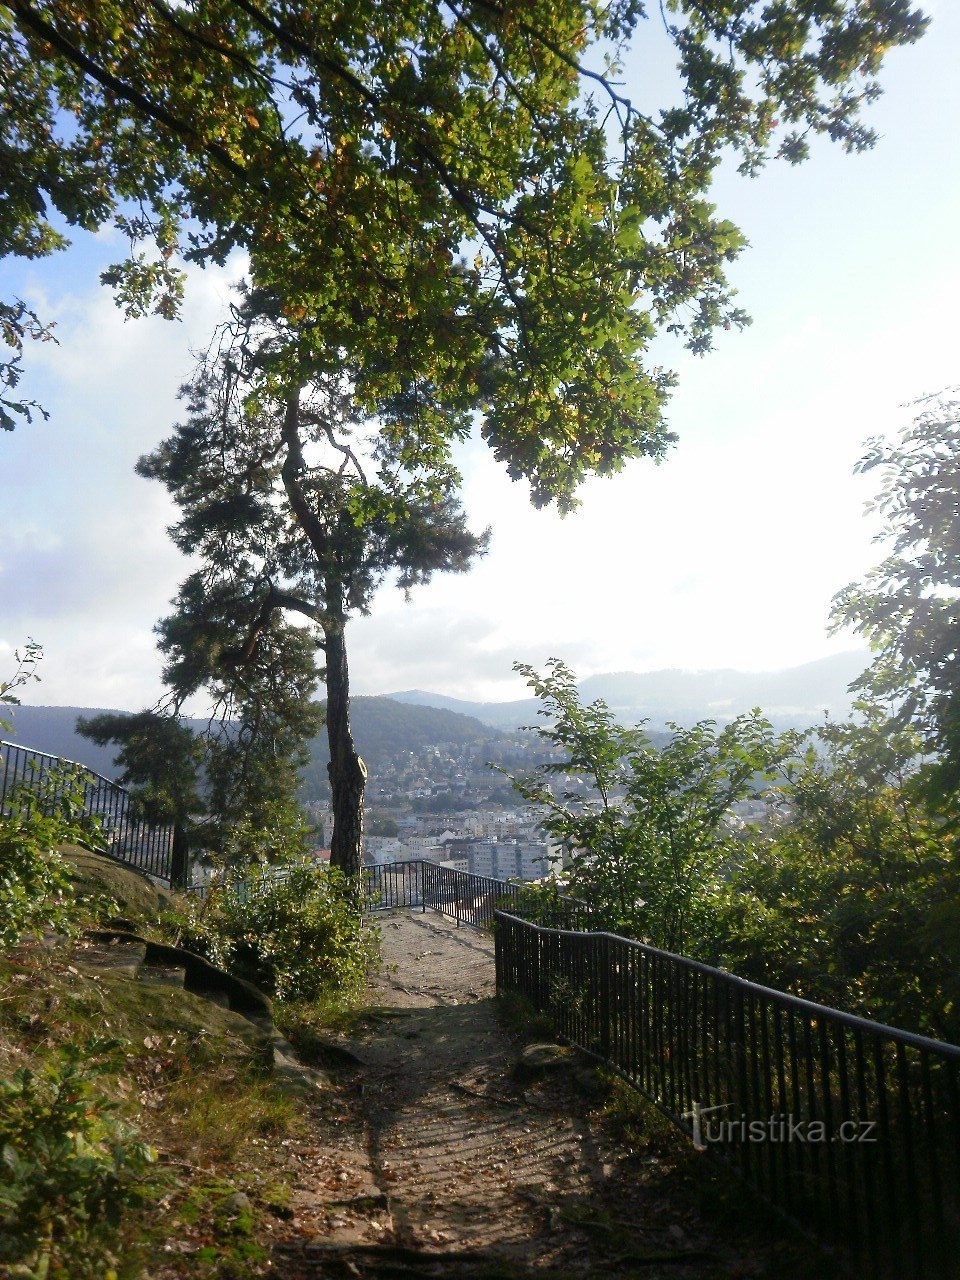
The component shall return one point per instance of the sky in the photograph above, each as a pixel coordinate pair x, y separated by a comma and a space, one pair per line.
726, 555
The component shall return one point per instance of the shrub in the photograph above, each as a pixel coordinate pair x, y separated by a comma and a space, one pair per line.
297, 931
36, 892
70, 1169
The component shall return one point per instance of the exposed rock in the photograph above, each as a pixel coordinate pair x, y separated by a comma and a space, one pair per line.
537, 1059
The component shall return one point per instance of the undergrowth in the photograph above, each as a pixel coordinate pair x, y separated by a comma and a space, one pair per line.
141, 1132
179, 1077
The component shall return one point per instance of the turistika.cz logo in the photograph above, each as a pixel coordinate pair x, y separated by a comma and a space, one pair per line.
710, 1127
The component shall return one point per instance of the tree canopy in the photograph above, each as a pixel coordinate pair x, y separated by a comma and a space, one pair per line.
451, 191
645, 826
908, 606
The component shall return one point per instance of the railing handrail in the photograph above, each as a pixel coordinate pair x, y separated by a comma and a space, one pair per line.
76, 764
784, 998
458, 871
129, 837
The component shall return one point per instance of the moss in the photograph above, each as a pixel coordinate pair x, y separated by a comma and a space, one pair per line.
136, 896
191, 1079
54, 997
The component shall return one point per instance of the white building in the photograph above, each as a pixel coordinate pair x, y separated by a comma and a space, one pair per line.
509, 859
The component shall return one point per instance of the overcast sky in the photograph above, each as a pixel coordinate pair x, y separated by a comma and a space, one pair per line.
726, 555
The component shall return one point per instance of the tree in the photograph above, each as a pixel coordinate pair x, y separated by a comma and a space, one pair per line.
446, 190
852, 898
296, 502
160, 760
243, 772
382, 824
645, 827
908, 606
159, 756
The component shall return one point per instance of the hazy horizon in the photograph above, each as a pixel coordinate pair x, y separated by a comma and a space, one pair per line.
33, 695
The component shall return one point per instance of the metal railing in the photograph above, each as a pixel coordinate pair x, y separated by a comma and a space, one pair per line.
124, 835
461, 895
849, 1127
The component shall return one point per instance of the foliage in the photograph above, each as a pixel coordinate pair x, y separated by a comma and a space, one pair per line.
845, 892
36, 892
908, 606
439, 802
279, 836
18, 324
297, 931
851, 899
382, 824
452, 194
645, 826
71, 1170
27, 660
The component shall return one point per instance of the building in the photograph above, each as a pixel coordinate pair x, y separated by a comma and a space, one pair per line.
509, 859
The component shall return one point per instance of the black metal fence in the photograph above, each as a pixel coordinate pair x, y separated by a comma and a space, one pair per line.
123, 834
464, 897
849, 1127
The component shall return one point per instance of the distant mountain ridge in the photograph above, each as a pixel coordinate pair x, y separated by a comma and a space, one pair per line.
382, 729
387, 725
795, 696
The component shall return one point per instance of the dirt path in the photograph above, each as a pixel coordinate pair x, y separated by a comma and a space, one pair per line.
436, 1160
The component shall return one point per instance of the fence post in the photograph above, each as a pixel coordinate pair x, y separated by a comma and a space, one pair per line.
605, 1007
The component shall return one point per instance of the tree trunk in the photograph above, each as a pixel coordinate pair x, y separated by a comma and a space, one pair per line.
347, 772
180, 858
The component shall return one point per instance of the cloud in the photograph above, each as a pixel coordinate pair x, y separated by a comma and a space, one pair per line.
465, 655
86, 565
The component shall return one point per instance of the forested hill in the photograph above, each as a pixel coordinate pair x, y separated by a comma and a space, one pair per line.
383, 729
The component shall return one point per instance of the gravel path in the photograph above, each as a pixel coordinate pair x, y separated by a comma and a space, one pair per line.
434, 1160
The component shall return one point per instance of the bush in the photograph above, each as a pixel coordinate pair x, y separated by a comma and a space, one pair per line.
70, 1169
297, 931
36, 892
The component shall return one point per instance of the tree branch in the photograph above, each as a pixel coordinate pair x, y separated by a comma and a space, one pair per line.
293, 464
153, 110
274, 599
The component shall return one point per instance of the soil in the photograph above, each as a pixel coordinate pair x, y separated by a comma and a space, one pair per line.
428, 1155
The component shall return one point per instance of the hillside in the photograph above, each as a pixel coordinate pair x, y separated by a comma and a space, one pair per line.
796, 696
383, 729
52, 729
